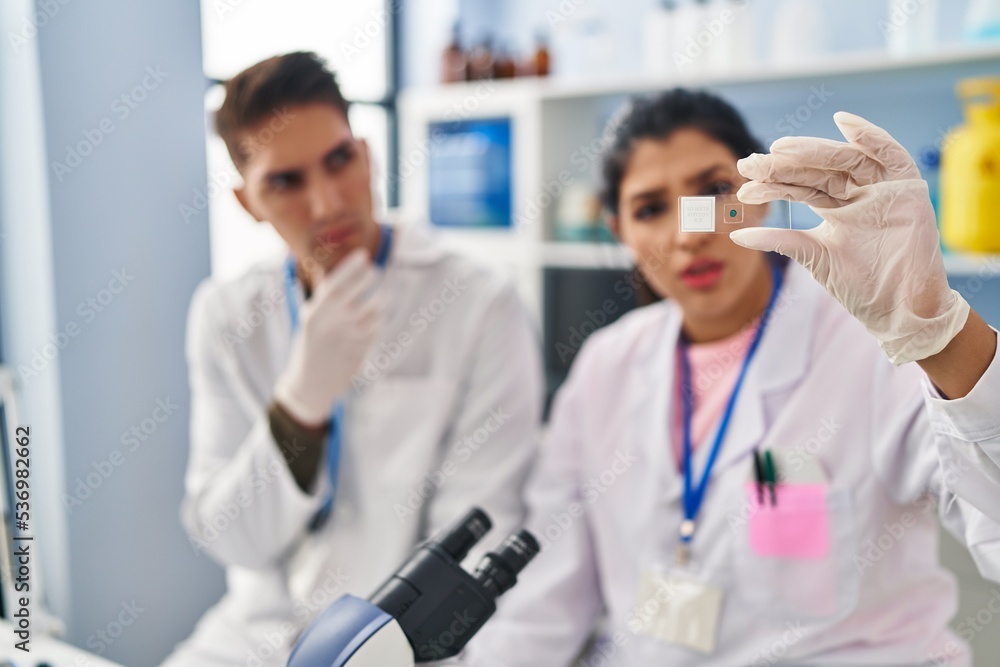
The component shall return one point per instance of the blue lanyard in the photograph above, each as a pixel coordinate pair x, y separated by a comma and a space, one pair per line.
381, 257
337, 415
693, 496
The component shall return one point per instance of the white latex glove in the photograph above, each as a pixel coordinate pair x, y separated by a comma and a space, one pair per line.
337, 325
877, 250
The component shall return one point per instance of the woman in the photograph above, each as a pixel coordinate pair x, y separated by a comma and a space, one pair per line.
750, 370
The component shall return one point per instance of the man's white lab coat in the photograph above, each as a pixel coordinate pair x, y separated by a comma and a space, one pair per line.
445, 418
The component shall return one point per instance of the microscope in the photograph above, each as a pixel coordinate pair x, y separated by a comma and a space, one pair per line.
427, 611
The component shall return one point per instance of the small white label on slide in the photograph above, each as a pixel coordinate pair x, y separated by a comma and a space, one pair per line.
697, 214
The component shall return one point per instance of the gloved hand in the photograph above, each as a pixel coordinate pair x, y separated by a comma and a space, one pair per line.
337, 325
877, 250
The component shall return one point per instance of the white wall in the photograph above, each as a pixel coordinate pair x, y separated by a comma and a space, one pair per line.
26, 260
69, 232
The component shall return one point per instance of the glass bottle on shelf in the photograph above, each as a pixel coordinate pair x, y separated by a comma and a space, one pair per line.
481, 62
541, 60
454, 63
504, 67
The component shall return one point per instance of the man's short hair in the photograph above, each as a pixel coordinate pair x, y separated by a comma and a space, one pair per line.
267, 89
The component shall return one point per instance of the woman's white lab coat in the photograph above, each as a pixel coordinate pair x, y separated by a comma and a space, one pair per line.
606, 500
446, 418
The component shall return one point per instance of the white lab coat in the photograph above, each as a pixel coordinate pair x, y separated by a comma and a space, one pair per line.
451, 423
820, 386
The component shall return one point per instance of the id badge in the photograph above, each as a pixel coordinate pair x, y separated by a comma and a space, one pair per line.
679, 608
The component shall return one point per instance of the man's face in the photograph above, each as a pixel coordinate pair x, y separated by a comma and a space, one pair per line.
311, 180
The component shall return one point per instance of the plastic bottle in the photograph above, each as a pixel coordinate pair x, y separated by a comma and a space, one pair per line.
733, 21
910, 27
982, 21
691, 39
657, 38
801, 32
970, 171
929, 161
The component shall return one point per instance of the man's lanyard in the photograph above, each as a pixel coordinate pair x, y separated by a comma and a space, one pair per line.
337, 415
693, 496
381, 257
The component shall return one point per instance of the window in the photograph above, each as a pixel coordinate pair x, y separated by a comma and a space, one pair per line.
358, 41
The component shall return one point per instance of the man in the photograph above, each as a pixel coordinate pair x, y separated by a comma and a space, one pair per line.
349, 402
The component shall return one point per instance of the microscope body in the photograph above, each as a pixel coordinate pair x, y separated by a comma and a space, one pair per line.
353, 632
427, 611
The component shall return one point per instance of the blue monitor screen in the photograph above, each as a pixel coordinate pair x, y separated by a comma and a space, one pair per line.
469, 173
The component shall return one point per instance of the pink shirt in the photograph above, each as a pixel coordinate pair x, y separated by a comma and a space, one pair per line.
714, 369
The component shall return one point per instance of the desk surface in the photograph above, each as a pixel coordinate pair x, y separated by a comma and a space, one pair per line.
45, 649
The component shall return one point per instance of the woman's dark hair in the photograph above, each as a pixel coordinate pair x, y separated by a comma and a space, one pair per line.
658, 117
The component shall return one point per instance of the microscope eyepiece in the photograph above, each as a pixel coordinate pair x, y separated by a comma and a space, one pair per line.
465, 534
431, 589
497, 571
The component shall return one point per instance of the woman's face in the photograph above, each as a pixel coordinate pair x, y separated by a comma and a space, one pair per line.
711, 278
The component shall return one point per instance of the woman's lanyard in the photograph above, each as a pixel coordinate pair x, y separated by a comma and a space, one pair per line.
693, 496
337, 415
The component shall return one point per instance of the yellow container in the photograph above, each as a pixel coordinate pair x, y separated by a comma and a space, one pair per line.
970, 171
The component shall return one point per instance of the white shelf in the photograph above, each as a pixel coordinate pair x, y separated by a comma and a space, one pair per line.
579, 255
584, 255
845, 64
964, 264
554, 123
